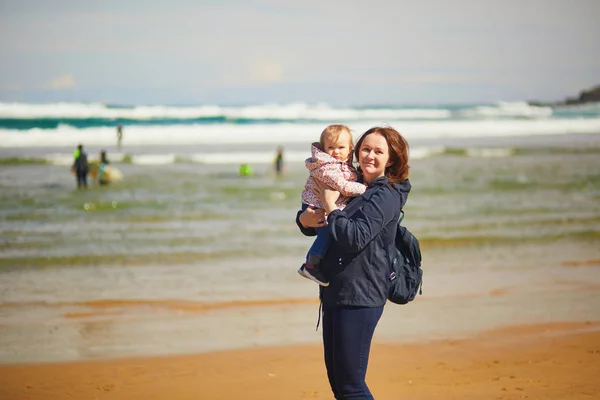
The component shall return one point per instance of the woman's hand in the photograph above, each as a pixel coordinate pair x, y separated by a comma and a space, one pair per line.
327, 196
313, 217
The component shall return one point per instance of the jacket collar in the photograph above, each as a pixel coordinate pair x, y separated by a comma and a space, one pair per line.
402, 187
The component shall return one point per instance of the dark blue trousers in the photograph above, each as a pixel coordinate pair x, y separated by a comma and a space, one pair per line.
347, 335
81, 178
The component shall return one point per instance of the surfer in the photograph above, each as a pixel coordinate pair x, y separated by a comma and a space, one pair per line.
119, 135
278, 163
80, 167
244, 170
103, 166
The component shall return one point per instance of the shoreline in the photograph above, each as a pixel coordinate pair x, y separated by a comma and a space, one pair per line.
94, 322
550, 361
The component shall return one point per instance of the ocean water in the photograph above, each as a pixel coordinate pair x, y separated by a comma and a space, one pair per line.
505, 203
212, 134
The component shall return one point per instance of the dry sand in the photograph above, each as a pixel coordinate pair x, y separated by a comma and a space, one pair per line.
549, 361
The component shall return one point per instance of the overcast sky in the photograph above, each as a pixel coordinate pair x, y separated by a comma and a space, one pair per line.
343, 52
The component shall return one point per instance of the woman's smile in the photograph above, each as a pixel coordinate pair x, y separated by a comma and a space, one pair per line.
373, 157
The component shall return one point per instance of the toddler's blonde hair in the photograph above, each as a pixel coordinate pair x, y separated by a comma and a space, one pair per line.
332, 132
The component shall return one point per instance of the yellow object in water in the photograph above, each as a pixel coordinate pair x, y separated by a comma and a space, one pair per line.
110, 173
245, 170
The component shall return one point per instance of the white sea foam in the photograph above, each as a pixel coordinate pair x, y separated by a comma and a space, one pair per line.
295, 111
485, 152
153, 159
256, 157
59, 159
506, 110
286, 133
424, 152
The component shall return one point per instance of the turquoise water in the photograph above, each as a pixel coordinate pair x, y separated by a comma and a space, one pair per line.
24, 116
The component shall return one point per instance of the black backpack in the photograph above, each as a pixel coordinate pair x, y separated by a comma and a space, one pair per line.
406, 277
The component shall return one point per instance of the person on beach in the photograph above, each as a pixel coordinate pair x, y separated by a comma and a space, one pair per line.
119, 135
245, 170
356, 263
103, 167
80, 167
331, 165
278, 163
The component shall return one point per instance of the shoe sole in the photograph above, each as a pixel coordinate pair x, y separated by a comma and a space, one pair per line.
312, 278
301, 273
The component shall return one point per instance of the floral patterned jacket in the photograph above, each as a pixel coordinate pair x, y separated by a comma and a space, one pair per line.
338, 175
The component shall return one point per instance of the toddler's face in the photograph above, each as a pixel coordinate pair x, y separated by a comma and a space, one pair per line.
339, 148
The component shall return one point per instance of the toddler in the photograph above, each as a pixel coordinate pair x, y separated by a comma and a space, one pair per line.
331, 164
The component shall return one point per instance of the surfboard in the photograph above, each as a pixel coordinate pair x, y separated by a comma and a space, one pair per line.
111, 173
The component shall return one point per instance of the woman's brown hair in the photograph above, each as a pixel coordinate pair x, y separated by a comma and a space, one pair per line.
398, 147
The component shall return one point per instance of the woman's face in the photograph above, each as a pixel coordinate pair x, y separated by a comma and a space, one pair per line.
374, 156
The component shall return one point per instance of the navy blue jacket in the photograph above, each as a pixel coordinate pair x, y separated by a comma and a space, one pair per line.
357, 262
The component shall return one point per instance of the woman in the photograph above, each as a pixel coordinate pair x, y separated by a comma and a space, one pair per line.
357, 263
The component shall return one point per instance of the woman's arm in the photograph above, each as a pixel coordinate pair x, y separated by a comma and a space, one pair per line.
354, 233
309, 219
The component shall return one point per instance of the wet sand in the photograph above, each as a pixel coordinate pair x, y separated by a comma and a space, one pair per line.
543, 361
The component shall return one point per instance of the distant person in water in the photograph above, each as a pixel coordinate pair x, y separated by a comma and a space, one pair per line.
244, 170
80, 167
279, 161
103, 166
119, 135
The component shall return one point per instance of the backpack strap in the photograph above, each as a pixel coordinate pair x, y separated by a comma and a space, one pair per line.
392, 273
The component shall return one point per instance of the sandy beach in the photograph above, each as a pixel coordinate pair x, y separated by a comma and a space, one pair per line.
543, 361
